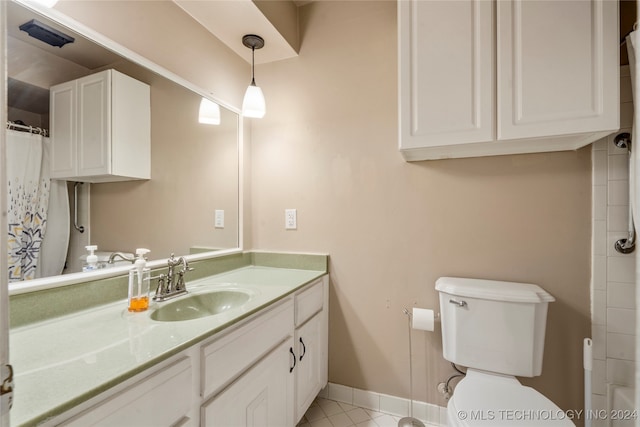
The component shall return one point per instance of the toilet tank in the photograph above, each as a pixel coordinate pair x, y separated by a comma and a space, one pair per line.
494, 326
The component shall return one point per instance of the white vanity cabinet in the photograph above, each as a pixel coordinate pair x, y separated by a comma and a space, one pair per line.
263, 395
265, 370
311, 340
247, 377
484, 77
101, 128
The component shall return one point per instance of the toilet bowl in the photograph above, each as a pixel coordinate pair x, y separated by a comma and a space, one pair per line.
496, 330
483, 398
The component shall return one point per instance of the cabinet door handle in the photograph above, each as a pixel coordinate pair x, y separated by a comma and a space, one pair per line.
304, 349
294, 359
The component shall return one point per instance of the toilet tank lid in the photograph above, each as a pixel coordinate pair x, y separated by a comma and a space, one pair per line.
493, 290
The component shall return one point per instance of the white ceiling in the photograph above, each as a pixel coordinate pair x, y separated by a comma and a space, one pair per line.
230, 20
82, 51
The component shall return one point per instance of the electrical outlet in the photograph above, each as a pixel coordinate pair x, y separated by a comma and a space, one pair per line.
290, 219
219, 218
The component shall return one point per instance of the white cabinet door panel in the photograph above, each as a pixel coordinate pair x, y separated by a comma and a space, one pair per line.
446, 72
309, 369
63, 126
262, 397
94, 124
555, 76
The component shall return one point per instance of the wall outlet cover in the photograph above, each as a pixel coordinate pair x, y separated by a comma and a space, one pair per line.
290, 219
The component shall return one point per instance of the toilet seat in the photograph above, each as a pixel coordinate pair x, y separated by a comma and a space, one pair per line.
484, 398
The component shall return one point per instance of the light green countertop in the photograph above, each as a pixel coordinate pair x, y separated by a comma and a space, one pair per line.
62, 362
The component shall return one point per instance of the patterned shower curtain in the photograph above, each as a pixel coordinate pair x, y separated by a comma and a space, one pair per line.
28, 201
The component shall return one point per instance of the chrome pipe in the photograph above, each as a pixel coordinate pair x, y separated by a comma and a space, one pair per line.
628, 245
80, 228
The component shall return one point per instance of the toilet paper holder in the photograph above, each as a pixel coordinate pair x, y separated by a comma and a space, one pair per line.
422, 318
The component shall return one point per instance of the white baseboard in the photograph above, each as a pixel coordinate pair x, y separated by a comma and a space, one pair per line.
426, 412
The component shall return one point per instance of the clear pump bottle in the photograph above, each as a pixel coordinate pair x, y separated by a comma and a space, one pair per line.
139, 278
91, 263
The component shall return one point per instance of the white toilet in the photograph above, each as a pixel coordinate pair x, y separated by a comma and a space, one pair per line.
496, 330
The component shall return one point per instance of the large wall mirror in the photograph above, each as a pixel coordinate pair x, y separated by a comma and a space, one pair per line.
194, 166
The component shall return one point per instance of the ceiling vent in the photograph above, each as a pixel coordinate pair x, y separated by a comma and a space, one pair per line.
45, 33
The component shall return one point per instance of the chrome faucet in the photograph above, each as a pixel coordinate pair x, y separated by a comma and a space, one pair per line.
168, 286
114, 255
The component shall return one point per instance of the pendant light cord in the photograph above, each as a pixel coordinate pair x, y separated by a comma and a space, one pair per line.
253, 64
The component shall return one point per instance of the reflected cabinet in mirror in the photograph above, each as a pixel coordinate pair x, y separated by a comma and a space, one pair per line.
190, 203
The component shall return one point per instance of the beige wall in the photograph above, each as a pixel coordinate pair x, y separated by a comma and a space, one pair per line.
328, 147
163, 33
194, 171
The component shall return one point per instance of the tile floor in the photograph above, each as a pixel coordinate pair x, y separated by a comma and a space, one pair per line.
329, 413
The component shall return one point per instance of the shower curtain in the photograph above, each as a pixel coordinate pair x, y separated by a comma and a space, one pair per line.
28, 191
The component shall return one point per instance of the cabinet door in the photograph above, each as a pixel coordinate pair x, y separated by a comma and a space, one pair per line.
63, 130
263, 396
94, 130
557, 67
310, 365
446, 75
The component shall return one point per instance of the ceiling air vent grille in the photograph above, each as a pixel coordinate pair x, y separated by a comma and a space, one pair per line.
45, 33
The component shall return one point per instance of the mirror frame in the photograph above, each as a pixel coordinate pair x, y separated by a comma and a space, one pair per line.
98, 38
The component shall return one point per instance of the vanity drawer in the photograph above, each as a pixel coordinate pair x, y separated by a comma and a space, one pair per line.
226, 358
309, 302
153, 401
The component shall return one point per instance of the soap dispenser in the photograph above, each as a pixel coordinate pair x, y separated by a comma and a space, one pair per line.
92, 259
139, 278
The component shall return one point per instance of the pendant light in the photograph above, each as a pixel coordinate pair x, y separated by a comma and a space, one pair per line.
253, 104
209, 112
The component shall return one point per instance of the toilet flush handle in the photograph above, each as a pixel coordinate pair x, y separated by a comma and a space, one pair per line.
458, 303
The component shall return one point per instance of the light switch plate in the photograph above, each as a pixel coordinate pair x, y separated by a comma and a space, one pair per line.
219, 218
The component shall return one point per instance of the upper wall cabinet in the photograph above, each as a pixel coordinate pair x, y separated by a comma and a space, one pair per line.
480, 78
101, 129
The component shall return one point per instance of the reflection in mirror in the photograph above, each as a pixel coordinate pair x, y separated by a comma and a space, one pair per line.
190, 204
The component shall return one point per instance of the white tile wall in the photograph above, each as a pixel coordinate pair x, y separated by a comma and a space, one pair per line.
613, 307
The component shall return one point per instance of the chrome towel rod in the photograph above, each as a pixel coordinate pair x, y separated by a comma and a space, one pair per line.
626, 246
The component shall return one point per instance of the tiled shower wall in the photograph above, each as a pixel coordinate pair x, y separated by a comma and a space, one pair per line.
613, 306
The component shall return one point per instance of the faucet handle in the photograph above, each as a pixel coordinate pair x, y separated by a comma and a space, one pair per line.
180, 285
160, 288
172, 261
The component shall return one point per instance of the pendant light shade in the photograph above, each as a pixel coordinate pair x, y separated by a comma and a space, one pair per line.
209, 112
253, 104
